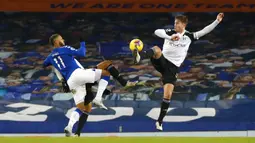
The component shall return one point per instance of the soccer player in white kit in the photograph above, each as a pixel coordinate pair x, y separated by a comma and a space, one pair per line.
168, 61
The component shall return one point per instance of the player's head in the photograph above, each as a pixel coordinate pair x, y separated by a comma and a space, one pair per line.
56, 41
180, 23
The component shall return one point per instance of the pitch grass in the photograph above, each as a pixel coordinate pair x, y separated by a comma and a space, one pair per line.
123, 140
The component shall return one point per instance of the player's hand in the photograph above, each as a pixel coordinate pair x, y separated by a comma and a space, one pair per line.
220, 17
65, 86
175, 37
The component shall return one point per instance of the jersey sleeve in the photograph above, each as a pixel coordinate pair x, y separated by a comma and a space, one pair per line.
81, 52
164, 33
47, 62
205, 30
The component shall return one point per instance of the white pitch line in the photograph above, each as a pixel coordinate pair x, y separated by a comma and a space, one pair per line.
148, 134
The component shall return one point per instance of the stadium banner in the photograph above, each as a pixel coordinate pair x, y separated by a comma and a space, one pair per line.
234, 115
128, 5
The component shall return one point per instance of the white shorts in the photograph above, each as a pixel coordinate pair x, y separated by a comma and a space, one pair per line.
78, 79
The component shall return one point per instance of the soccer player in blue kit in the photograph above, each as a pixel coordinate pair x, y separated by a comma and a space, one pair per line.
63, 59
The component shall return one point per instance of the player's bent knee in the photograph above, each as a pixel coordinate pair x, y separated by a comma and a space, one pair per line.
157, 52
156, 49
104, 64
81, 106
105, 73
168, 90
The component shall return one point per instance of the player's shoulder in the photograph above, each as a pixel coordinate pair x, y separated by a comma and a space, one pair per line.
67, 47
54, 53
189, 34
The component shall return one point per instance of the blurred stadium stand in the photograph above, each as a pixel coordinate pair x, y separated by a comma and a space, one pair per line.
219, 66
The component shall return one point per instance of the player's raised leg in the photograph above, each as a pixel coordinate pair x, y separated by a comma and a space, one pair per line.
111, 69
103, 82
154, 52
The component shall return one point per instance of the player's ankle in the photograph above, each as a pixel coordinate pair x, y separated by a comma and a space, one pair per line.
160, 122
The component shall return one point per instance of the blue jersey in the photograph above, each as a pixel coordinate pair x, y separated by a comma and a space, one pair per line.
63, 59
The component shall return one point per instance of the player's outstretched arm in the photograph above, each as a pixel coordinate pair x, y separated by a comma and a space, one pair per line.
82, 49
81, 52
165, 34
162, 33
209, 28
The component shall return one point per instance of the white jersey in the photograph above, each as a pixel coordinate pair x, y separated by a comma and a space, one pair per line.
176, 51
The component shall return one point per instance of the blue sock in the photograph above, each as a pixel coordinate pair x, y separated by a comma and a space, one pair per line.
107, 78
78, 111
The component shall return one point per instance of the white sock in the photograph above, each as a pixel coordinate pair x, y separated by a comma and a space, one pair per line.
74, 118
101, 87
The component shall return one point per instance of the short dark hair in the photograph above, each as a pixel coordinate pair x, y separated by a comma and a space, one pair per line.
52, 39
182, 18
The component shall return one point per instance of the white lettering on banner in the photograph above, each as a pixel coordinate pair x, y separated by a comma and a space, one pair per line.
31, 113
27, 114
201, 112
119, 111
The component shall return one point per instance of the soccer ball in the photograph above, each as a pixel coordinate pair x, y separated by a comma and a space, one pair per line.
136, 44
